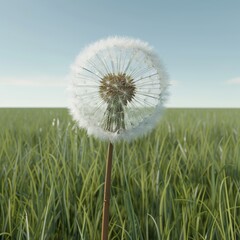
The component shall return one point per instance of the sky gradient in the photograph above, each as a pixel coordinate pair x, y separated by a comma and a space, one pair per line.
198, 41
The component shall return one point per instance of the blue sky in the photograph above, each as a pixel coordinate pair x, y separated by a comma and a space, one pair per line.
198, 41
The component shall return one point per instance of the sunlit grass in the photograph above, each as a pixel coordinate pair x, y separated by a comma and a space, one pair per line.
180, 182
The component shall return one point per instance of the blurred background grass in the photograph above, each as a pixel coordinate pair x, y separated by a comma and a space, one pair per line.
179, 182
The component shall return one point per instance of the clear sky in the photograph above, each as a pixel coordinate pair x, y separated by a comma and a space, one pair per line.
198, 41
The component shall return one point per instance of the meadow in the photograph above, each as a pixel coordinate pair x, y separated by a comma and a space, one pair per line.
181, 181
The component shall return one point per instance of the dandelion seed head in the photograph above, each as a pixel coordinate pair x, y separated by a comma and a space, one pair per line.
118, 88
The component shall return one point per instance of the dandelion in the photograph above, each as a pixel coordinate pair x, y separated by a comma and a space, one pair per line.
117, 90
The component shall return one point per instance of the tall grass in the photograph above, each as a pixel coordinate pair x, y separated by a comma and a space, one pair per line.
179, 182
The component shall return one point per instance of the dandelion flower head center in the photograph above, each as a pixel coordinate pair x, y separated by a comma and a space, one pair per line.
115, 88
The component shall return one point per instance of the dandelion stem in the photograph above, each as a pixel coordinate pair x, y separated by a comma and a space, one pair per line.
107, 188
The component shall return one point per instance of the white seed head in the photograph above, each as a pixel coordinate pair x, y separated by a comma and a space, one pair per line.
117, 89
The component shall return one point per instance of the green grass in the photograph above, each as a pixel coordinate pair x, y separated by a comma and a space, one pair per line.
181, 181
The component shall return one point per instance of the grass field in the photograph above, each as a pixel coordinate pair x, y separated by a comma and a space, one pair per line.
181, 181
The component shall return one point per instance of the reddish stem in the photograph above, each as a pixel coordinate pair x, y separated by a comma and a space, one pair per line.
107, 188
